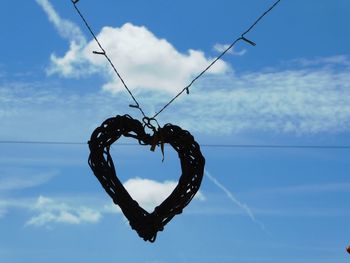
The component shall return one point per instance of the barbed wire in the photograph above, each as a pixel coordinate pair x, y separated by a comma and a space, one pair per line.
253, 146
185, 89
104, 53
241, 38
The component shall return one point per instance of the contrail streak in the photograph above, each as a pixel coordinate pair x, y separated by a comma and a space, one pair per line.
231, 196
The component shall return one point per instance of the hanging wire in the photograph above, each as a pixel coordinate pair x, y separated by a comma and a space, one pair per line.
252, 146
104, 53
242, 37
185, 89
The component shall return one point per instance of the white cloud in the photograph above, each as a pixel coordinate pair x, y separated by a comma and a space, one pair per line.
72, 64
149, 193
67, 64
146, 61
222, 47
51, 211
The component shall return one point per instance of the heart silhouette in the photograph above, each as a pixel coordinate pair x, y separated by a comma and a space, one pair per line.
192, 162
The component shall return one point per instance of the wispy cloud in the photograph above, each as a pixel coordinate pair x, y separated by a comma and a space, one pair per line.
16, 179
340, 60
33, 111
309, 212
2, 212
222, 47
65, 28
296, 101
310, 188
8, 204
290, 101
232, 197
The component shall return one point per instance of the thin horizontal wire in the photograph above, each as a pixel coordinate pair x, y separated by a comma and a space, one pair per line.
242, 37
257, 146
43, 142
272, 146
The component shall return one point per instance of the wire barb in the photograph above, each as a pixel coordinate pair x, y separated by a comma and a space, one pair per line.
99, 53
248, 41
134, 106
242, 37
103, 52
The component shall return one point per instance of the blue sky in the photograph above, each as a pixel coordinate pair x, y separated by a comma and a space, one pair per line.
255, 204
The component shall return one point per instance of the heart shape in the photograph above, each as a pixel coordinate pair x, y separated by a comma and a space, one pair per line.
192, 162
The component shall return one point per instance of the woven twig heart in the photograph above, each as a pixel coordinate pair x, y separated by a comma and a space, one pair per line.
192, 165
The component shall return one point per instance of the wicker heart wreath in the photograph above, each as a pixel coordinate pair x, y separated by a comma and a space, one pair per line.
192, 165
